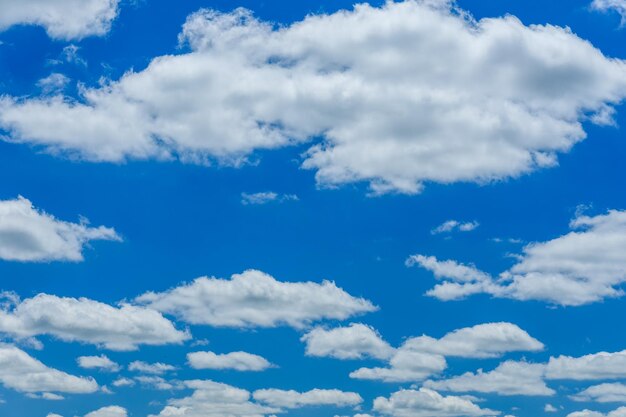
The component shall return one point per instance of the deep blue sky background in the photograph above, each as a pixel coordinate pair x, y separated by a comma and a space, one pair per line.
183, 221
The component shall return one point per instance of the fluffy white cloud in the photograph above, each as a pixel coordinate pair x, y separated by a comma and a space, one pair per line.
63, 19
88, 321
265, 197
28, 234
603, 393
255, 299
620, 412
111, 411
157, 368
239, 361
601, 365
388, 89
428, 403
580, 267
356, 341
404, 366
22, 372
454, 225
509, 378
123, 382
618, 6
316, 397
421, 357
213, 399
98, 362
487, 340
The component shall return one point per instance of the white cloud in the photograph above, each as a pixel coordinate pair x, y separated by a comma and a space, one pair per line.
62, 19
316, 397
509, 378
603, 393
549, 408
404, 366
580, 267
213, 399
620, 412
455, 225
421, 357
98, 362
54, 83
111, 411
157, 368
601, 365
88, 321
428, 403
255, 299
388, 89
618, 6
265, 197
356, 341
22, 372
487, 340
159, 383
239, 361
123, 382
28, 234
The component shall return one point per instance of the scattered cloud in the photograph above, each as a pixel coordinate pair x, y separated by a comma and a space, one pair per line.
31, 235
62, 19
316, 397
455, 226
239, 361
356, 341
101, 362
618, 6
428, 403
111, 411
255, 299
157, 368
620, 412
509, 378
394, 123
88, 321
595, 366
22, 372
266, 197
580, 267
603, 393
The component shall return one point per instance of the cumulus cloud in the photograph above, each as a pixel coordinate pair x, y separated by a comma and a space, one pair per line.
316, 397
422, 357
157, 368
239, 361
487, 340
22, 372
111, 411
356, 341
62, 19
509, 378
30, 235
213, 399
428, 403
618, 6
123, 382
255, 299
620, 412
603, 393
88, 321
265, 197
383, 94
455, 225
595, 366
583, 266
101, 362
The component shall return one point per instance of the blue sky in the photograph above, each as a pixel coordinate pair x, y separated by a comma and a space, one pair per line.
406, 210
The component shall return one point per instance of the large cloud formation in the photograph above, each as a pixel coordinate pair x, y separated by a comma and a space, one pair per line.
62, 19
583, 266
400, 95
